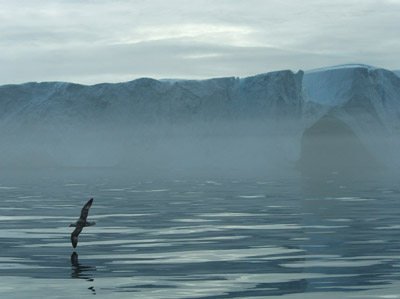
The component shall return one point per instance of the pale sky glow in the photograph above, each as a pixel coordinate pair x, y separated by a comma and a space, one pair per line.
92, 41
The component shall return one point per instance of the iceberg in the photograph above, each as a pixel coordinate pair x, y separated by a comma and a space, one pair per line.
269, 121
366, 100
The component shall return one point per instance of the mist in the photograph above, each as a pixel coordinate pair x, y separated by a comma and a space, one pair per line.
243, 148
330, 122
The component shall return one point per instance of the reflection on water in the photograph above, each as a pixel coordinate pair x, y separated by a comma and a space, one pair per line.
78, 270
294, 237
81, 271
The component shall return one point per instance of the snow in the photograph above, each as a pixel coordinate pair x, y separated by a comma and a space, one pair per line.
342, 66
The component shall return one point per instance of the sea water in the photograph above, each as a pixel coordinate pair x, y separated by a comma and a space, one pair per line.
199, 237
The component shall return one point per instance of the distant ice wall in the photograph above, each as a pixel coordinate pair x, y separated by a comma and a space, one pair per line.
256, 123
227, 122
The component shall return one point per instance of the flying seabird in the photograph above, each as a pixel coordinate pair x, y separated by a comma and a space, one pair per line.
81, 223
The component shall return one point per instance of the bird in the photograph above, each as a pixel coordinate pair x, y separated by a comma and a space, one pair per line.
81, 223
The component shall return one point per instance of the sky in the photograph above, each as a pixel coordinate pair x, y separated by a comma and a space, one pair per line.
94, 41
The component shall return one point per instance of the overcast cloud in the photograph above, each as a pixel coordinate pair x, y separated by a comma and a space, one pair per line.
92, 41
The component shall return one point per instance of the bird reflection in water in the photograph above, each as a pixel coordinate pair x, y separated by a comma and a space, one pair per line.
80, 271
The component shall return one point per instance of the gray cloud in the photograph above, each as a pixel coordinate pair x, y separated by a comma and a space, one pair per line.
96, 41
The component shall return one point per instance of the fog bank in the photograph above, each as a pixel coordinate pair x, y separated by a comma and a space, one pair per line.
341, 119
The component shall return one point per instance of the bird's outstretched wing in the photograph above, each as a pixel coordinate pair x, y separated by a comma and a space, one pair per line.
74, 236
85, 210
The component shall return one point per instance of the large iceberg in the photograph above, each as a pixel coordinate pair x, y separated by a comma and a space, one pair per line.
270, 121
365, 102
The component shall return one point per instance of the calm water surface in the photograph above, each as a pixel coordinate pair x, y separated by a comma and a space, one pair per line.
199, 238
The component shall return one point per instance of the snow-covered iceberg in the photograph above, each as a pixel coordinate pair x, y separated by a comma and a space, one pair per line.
256, 123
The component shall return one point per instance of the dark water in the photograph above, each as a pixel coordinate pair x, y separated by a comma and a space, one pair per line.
199, 238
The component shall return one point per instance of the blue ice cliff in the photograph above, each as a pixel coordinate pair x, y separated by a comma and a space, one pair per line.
349, 114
